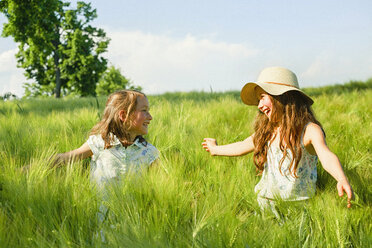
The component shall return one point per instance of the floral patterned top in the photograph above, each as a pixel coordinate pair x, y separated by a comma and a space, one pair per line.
109, 164
274, 184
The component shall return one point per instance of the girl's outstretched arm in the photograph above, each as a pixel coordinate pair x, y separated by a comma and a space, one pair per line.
233, 149
329, 160
80, 153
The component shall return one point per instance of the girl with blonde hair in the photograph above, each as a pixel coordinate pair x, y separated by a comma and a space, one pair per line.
116, 144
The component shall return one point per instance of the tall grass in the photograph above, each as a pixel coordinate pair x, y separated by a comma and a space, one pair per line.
189, 199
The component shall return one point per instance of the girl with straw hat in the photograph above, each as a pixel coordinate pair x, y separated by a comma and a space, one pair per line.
287, 142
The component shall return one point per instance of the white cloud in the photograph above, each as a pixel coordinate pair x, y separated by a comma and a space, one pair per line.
7, 60
11, 77
160, 63
331, 67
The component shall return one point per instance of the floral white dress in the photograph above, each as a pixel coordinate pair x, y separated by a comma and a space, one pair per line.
285, 186
109, 165
112, 163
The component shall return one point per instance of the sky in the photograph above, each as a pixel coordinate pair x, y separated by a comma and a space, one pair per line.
204, 45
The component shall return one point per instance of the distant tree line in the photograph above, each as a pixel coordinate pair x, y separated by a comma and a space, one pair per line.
59, 49
350, 86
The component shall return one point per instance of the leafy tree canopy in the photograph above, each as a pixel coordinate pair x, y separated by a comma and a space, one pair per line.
112, 80
58, 47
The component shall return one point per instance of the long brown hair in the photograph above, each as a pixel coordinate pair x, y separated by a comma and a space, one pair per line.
291, 112
111, 124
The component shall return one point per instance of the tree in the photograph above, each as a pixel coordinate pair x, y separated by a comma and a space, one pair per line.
112, 80
8, 96
58, 48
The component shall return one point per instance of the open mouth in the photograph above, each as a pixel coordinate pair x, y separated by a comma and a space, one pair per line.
266, 112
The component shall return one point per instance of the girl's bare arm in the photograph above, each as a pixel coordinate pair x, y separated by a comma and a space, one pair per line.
329, 160
233, 149
80, 153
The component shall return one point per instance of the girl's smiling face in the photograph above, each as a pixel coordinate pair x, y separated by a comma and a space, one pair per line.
141, 118
265, 105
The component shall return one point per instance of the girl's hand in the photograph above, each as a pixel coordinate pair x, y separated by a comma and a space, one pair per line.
343, 185
314, 135
234, 149
209, 144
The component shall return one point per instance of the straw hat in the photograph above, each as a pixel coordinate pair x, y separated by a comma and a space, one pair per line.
273, 80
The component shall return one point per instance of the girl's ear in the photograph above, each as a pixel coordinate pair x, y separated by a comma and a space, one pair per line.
122, 115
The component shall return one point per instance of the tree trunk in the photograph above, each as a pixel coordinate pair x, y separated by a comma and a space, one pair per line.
57, 90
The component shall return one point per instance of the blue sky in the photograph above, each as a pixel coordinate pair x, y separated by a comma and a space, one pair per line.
197, 45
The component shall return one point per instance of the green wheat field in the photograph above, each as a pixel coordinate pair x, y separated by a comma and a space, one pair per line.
189, 199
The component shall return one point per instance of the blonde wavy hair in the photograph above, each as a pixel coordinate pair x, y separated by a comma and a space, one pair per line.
111, 124
291, 112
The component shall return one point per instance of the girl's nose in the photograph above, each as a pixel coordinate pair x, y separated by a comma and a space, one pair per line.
149, 116
259, 106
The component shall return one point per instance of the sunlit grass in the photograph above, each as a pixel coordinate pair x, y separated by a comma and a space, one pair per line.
189, 199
